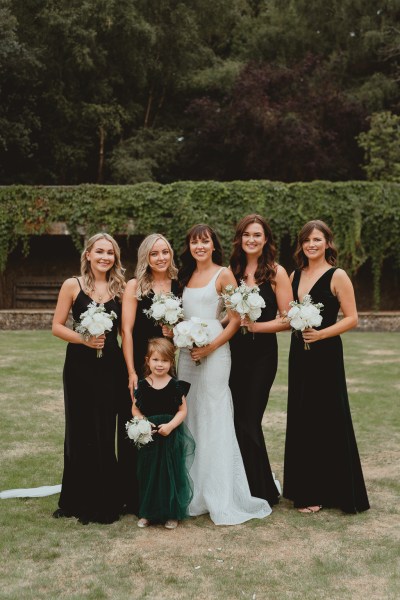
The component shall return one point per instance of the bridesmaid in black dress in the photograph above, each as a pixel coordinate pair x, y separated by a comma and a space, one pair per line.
92, 386
155, 273
322, 465
255, 355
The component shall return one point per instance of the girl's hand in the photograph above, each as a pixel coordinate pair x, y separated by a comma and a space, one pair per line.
164, 429
167, 332
132, 383
95, 342
312, 335
199, 353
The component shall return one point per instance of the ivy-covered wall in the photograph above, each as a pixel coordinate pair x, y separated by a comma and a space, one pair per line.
365, 216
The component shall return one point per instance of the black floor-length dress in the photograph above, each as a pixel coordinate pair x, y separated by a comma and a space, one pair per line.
90, 485
254, 365
322, 465
144, 330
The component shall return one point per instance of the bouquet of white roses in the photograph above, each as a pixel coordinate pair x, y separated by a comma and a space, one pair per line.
166, 309
244, 300
139, 431
191, 333
95, 321
304, 315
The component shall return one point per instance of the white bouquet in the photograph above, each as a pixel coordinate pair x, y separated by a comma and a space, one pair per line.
191, 333
244, 300
166, 309
95, 321
139, 431
304, 315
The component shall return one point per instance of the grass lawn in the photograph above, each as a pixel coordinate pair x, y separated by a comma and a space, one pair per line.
329, 556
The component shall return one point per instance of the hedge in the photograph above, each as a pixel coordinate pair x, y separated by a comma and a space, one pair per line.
365, 216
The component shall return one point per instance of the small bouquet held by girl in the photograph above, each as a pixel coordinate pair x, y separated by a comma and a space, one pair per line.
165, 309
95, 321
191, 333
139, 431
304, 315
165, 487
244, 300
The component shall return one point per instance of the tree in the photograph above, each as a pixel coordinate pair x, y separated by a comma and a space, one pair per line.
381, 145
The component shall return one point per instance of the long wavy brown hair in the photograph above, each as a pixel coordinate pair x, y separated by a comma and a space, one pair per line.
188, 263
330, 253
266, 265
115, 276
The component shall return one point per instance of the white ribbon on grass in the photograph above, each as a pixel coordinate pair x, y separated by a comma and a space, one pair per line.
38, 492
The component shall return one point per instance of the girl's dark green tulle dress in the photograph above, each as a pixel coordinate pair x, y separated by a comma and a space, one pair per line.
165, 487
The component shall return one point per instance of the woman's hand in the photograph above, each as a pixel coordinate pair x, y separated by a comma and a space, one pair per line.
312, 335
252, 326
95, 342
132, 383
167, 332
199, 353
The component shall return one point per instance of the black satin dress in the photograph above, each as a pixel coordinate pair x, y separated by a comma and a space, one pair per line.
254, 365
322, 465
144, 329
92, 386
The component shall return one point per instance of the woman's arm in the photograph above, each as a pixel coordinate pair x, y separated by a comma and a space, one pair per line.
135, 411
66, 298
166, 428
284, 294
223, 280
343, 289
129, 308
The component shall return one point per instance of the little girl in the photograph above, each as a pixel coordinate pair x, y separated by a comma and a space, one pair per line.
165, 487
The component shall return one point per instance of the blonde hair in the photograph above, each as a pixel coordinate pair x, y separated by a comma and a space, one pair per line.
115, 276
167, 351
143, 271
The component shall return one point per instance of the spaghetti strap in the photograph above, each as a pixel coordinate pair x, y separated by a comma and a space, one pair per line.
77, 278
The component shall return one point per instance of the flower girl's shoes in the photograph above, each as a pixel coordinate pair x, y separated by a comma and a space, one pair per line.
171, 524
143, 523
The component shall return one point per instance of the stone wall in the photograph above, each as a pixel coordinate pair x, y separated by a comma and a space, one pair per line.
41, 319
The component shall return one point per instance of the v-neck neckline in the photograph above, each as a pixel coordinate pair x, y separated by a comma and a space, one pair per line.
313, 286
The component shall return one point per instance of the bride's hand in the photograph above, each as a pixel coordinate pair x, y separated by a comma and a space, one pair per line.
199, 353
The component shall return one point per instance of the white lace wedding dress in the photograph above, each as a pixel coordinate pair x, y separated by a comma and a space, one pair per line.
220, 484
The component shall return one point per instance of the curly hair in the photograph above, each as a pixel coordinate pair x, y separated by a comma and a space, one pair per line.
330, 253
188, 263
143, 271
115, 276
266, 265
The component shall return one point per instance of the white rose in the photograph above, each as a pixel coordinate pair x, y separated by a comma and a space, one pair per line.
293, 312
86, 321
199, 335
254, 314
297, 323
144, 426
255, 301
133, 432
182, 341
107, 324
171, 316
316, 321
171, 304
158, 310
235, 298
241, 307
95, 328
183, 328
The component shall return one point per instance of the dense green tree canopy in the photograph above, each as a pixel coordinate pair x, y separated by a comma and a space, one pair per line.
137, 90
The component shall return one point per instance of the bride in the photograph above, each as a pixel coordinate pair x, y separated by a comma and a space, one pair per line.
220, 484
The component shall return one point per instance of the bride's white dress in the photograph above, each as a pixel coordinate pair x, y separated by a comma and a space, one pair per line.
220, 483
